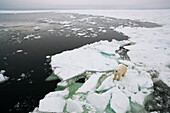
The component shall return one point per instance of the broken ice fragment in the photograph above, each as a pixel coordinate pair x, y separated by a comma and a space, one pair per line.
73, 106
52, 104
90, 84
99, 101
119, 102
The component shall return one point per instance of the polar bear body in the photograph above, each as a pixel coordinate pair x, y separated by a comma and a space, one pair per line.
121, 71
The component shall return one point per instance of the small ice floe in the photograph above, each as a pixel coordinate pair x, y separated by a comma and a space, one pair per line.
75, 29
73, 17
47, 57
19, 51
112, 27
37, 37
81, 34
90, 29
104, 31
23, 75
2, 77
51, 31
93, 23
36, 28
93, 35
28, 37
45, 20
67, 25
64, 22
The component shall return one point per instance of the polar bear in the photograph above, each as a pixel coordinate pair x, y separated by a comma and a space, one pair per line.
121, 71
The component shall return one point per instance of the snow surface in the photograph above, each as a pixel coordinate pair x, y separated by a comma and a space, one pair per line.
151, 51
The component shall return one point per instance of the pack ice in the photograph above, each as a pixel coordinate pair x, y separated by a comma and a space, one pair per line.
95, 63
99, 93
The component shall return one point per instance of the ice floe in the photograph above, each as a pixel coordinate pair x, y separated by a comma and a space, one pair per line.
29, 36
37, 37
96, 63
45, 20
64, 22
2, 77
19, 51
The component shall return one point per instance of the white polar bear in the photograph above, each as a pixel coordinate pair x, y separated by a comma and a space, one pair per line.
121, 71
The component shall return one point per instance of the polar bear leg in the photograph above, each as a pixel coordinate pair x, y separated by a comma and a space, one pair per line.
119, 77
114, 77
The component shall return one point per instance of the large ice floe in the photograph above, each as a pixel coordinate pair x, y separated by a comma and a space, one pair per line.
87, 75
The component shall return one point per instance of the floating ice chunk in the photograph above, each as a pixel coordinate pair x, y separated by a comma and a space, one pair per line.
23, 75
111, 27
119, 102
48, 57
81, 34
2, 71
64, 22
93, 35
90, 84
90, 29
29, 36
104, 31
19, 51
67, 25
99, 101
75, 29
37, 37
73, 106
2, 77
73, 17
52, 104
93, 23
36, 28
51, 30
